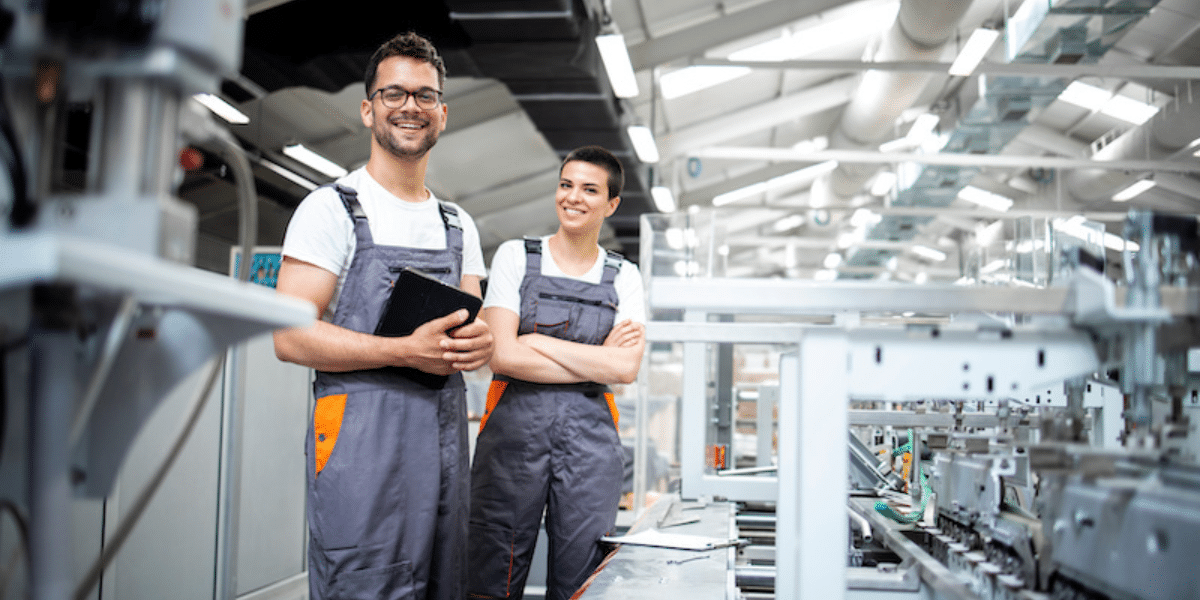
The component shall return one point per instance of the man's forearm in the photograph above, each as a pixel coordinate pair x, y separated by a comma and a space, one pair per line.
327, 347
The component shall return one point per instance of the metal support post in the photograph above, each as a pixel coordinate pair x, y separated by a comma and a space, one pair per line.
52, 397
813, 469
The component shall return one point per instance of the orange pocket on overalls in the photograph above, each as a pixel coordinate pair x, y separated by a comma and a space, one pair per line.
327, 422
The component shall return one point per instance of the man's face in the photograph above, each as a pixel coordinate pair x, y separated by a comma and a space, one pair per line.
407, 132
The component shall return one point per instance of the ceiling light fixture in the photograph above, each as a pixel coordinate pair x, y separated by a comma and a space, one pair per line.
798, 177
643, 143
973, 51
1114, 105
922, 128
985, 198
1132, 190
788, 222
883, 184
222, 109
930, 253
289, 175
615, 56
664, 200
1129, 110
314, 160
1085, 96
693, 79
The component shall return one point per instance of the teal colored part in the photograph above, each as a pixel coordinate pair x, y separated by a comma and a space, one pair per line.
912, 517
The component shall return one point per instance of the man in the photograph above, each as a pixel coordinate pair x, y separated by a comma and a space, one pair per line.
387, 452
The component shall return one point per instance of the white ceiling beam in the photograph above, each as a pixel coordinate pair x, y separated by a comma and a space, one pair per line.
757, 118
1141, 71
979, 160
694, 41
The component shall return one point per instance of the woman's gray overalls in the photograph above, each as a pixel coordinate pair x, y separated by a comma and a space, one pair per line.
544, 447
387, 457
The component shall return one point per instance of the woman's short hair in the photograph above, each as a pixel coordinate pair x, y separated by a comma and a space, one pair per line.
604, 159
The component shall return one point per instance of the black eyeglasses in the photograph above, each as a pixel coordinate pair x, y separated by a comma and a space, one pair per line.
394, 96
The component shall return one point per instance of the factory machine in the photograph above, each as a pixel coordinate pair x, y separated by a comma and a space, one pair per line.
931, 441
101, 312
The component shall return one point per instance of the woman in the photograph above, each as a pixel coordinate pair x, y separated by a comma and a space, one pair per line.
567, 318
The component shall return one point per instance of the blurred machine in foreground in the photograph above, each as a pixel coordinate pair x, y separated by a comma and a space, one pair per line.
101, 313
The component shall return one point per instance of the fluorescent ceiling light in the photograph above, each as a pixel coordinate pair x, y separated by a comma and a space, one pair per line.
314, 160
993, 266
693, 79
799, 176
643, 143
930, 253
1085, 96
664, 200
222, 109
985, 198
1133, 189
895, 145
788, 222
617, 64
921, 128
1129, 110
289, 175
863, 217
973, 51
1114, 105
823, 33
883, 184
817, 144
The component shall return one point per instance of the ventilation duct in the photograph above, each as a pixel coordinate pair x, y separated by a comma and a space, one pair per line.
921, 31
997, 109
544, 51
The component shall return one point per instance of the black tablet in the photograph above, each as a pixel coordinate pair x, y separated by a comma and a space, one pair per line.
416, 299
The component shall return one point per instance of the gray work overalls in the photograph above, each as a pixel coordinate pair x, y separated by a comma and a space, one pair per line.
547, 447
387, 457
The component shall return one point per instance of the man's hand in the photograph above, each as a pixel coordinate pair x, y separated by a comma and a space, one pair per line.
470, 346
625, 334
426, 348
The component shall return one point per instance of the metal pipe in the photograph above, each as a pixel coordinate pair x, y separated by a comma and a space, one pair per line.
52, 352
755, 577
863, 525
758, 521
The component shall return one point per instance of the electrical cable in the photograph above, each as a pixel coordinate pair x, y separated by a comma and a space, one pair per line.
22, 548
23, 209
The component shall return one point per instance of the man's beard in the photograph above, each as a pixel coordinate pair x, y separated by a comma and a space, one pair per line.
386, 139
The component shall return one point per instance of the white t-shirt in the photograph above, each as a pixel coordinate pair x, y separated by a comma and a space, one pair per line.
508, 270
321, 232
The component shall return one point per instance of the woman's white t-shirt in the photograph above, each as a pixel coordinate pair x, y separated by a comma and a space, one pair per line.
508, 270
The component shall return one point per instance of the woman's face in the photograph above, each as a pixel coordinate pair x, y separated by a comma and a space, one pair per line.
582, 196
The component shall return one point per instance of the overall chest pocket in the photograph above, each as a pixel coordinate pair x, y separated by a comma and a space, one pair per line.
572, 318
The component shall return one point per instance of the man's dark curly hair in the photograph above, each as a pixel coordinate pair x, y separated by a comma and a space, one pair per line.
405, 44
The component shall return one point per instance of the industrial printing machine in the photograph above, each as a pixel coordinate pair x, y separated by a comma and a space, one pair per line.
1035, 442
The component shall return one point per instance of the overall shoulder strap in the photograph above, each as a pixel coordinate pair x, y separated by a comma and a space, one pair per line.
349, 197
533, 255
612, 266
